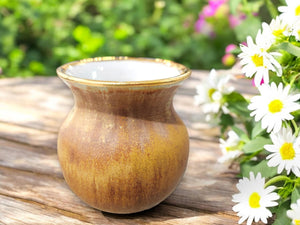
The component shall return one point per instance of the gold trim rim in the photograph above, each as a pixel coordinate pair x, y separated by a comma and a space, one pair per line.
184, 72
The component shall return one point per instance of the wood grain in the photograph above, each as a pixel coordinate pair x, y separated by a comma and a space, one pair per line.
32, 188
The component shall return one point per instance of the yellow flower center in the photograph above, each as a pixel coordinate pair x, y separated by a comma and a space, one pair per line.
254, 200
210, 93
287, 151
257, 60
297, 10
278, 32
297, 222
275, 106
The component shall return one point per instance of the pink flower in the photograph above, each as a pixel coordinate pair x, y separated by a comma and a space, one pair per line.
261, 82
229, 48
200, 23
201, 26
212, 7
228, 59
244, 43
236, 20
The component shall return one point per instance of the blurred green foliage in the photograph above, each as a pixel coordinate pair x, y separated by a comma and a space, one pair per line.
37, 36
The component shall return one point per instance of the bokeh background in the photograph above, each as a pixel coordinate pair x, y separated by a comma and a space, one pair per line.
37, 36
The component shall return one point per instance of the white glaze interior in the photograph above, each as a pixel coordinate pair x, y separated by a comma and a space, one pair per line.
122, 70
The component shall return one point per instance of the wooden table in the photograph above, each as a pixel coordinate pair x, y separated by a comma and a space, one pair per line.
32, 187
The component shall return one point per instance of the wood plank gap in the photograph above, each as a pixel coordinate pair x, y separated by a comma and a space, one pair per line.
189, 208
232, 216
53, 176
30, 127
27, 147
192, 209
194, 138
47, 149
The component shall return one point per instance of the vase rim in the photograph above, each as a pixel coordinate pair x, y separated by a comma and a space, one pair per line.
183, 72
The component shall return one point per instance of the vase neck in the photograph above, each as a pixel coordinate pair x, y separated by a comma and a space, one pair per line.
152, 103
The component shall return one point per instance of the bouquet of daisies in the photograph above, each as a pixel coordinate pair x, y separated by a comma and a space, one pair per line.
261, 133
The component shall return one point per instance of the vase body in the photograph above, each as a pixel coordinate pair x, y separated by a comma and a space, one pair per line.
122, 148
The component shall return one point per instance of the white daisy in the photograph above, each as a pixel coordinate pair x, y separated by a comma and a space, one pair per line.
291, 12
256, 60
230, 147
277, 29
285, 151
211, 91
273, 105
254, 199
295, 30
294, 213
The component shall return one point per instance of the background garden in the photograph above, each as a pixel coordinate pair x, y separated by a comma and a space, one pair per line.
36, 36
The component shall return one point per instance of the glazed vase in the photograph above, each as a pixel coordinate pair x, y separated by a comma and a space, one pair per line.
122, 148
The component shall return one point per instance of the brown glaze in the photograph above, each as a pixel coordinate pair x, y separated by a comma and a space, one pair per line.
123, 148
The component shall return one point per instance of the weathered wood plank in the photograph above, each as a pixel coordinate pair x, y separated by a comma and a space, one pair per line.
54, 193
46, 191
40, 103
23, 115
27, 135
18, 212
28, 158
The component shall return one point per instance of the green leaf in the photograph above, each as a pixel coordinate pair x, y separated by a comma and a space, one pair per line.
257, 130
290, 48
16, 56
295, 195
248, 27
242, 134
237, 104
256, 144
123, 31
92, 44
37, 67
82, 33
256, 167
235, 97
225, 121
281, 217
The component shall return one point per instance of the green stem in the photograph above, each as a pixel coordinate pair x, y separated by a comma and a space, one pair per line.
272, 9
247, 158
285, 81
295, 127
277, 179
295, 77
292, 81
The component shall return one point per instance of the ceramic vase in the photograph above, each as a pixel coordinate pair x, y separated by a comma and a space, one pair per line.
123, 148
